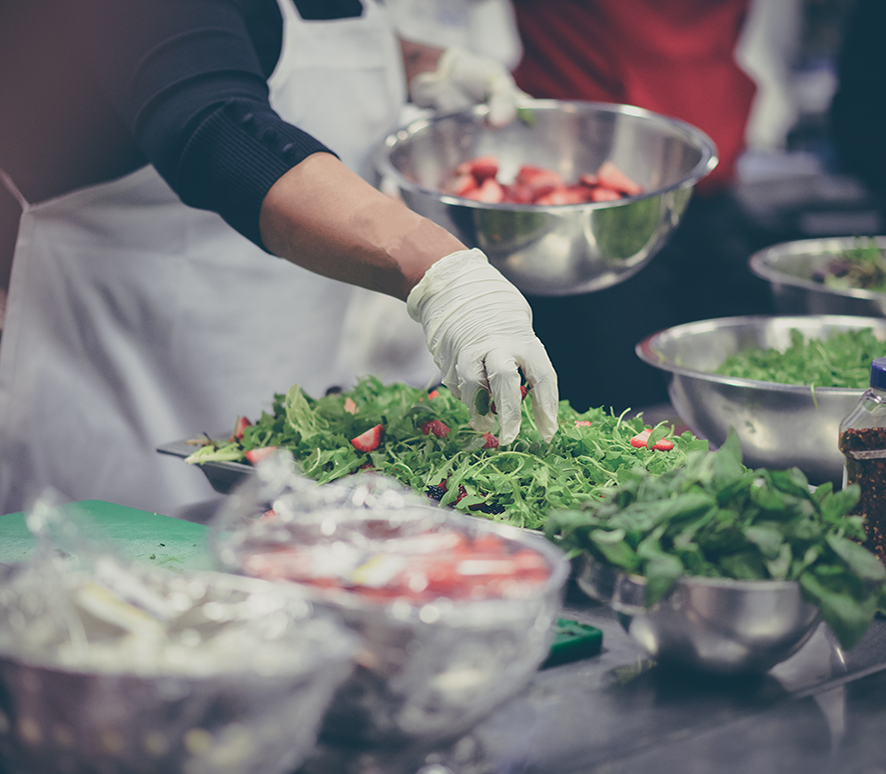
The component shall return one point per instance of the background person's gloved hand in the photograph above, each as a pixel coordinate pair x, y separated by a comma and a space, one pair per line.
463, 79
479, 329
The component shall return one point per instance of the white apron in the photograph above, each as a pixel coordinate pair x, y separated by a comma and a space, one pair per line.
133, 320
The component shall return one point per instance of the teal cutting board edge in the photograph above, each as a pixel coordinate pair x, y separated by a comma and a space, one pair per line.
141, 537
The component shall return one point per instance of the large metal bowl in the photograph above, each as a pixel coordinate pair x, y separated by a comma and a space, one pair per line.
565, 249
713, 624
779, 425
789, 268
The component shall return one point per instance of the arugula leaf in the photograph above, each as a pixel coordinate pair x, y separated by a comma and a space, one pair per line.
518, 484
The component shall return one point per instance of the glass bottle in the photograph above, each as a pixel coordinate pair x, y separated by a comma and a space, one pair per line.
863, 442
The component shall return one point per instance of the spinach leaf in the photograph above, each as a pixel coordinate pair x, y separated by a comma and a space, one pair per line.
714, 517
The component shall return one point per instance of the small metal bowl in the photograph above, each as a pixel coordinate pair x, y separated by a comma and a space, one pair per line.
565, 249
779, 425
789, 269
711, 624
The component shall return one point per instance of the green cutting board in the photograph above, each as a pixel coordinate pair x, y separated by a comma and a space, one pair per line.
139, 536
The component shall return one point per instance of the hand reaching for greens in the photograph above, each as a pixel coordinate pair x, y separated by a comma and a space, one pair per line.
479, 329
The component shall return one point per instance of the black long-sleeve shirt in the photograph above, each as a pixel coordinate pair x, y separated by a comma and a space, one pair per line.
91, 90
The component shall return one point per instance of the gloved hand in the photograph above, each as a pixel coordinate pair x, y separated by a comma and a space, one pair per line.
463, 79
479, 329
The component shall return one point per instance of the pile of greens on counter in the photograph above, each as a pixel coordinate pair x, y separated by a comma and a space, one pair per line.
841, 360
714, 517
426, 442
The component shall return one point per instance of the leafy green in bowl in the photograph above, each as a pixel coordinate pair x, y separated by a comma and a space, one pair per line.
715, 518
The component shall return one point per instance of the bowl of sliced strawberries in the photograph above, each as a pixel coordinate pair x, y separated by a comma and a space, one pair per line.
569, 198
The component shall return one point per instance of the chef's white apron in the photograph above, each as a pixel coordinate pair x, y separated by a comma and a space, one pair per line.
133, 320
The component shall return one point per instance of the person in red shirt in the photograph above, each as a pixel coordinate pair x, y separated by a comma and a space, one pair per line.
677, 58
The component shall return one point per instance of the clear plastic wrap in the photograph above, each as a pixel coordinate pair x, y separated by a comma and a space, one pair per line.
454, 612
106, 667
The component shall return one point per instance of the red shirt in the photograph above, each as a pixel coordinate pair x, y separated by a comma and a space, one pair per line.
675, 57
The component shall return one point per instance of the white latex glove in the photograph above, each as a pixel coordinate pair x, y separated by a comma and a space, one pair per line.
463, 79
479, 329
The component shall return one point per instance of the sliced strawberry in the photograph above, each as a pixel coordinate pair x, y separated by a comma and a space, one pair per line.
437, 427
350, 406
610, 176
257, 455
601, 194
242, 424
482, 168
370, 440
490, 192
583, 423
433, 394
491, 441
640, 439
591, 181
460, 186
518, 194
569, 194
538, 177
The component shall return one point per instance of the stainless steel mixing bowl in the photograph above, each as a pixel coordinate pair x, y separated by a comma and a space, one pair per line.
779, 425
714, 624
564, 249
789, 268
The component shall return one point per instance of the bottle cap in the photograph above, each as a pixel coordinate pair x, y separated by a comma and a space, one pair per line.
878, 373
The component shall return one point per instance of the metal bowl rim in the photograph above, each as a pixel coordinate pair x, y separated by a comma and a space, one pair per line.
760, 265
759, 584
645, 350
705, 165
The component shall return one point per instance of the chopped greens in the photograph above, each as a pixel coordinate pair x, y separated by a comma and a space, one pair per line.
841, 360
517, 484
862, 266
713, 517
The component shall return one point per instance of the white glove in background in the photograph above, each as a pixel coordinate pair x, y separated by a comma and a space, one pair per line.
479, 329
463, 79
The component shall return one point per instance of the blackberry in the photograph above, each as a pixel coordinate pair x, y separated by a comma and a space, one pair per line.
435, 492
491, 508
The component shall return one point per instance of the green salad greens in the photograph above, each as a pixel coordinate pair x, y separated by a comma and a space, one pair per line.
841, 360
862, 266
713, 517
517, 484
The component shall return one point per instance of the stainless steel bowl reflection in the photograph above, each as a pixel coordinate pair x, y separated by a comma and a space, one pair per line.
565, 249
712, 624
779, 425
790, 267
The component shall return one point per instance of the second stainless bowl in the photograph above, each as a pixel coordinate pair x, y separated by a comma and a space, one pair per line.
713, 624
779, 425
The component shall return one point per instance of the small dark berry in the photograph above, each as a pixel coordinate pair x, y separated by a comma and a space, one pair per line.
435, 492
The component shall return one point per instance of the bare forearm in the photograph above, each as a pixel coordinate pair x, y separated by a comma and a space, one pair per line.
324, 217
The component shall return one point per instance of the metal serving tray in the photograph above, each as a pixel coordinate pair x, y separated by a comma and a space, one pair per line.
223, 476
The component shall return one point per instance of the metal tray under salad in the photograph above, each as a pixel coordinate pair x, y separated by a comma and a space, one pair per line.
222, 476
